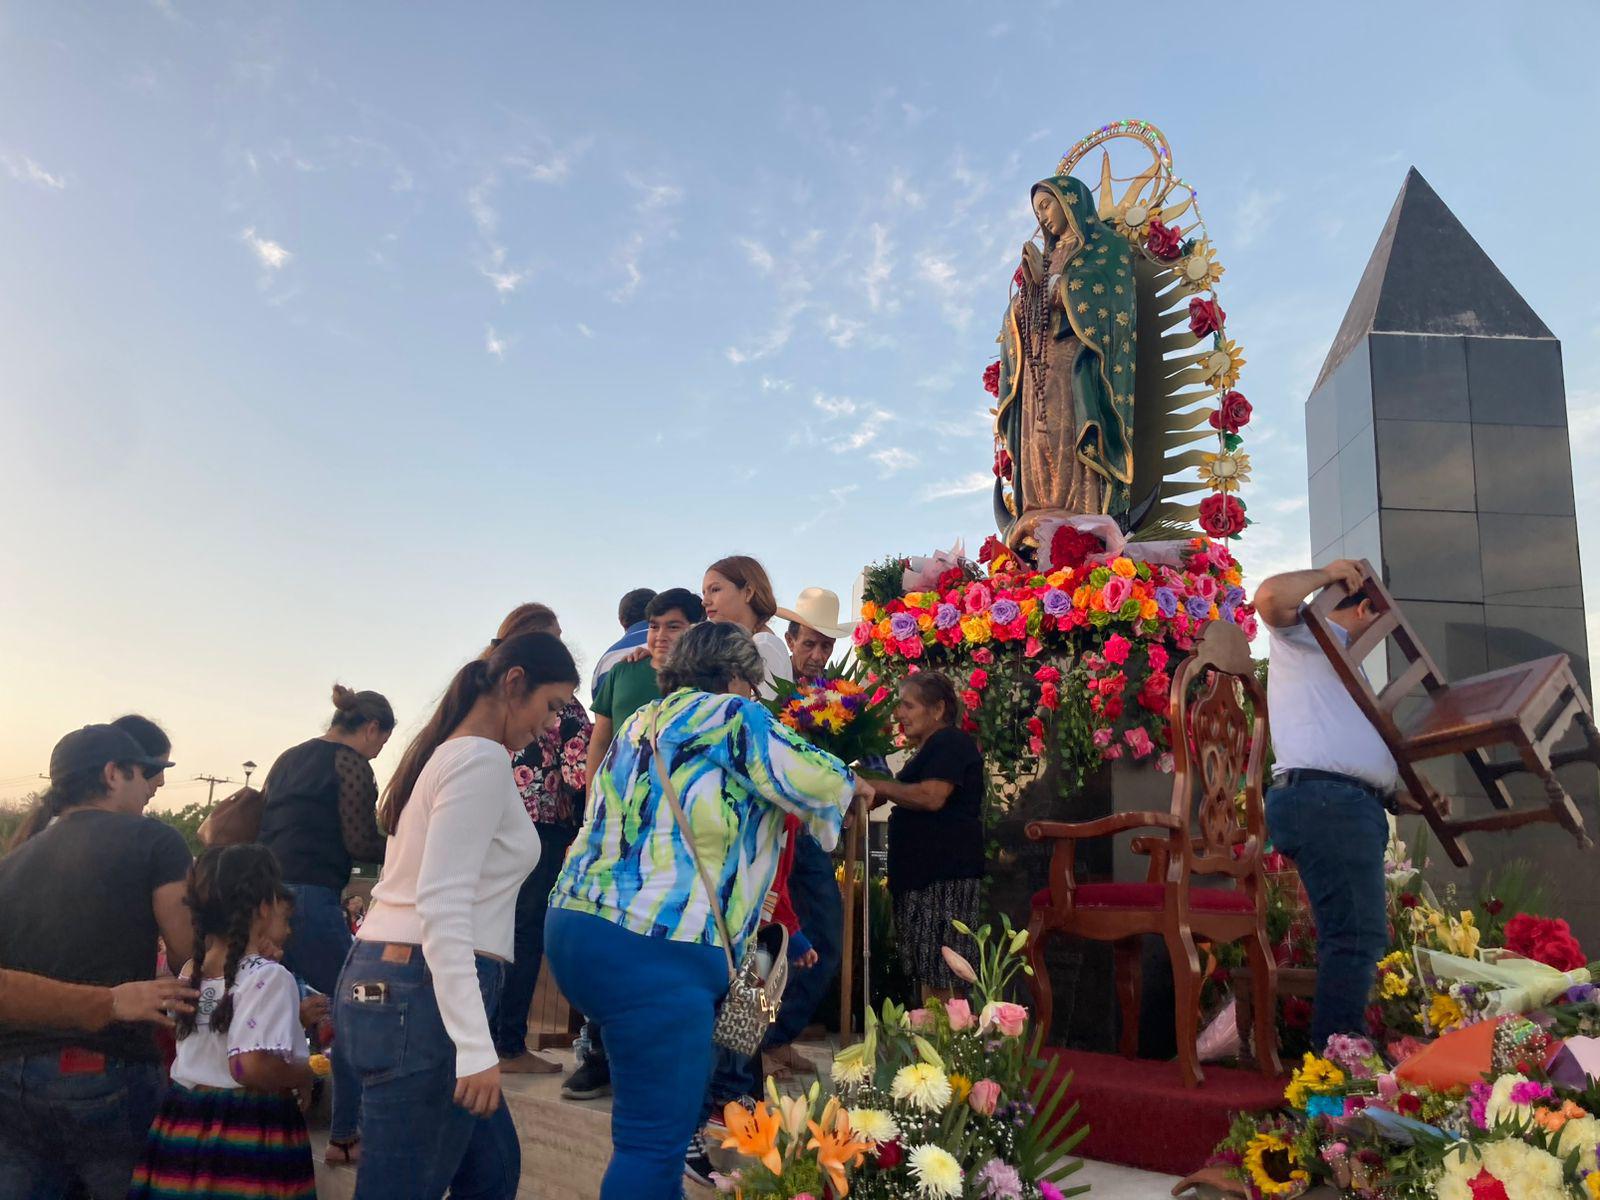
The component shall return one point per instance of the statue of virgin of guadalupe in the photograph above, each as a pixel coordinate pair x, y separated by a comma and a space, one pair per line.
1068, 347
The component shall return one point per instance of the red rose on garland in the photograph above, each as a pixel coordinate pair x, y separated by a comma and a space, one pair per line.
1233, 414
1016, 278
991, 379
1166, 241
1002, 463
1205, 316
1545, 939
1071, 547
1222, 515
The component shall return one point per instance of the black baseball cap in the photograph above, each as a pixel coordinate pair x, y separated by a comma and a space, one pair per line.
93, 746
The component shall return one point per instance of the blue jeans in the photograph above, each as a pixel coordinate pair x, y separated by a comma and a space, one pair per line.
416, 1142
1337, 833
814, 892
656, 1001
319, 941
62, 1129
510, 1026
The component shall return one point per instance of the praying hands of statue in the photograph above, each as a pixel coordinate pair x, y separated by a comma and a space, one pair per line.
1033, 264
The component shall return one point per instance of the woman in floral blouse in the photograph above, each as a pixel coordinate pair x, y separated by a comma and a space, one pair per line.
550, 774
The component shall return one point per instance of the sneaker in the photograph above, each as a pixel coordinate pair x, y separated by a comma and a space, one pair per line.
590, 1081
697, 1163
748, 1103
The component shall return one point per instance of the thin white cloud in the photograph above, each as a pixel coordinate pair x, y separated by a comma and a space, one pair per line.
269, 253
833, 406
878, 271
494, 344
654, 195
842, 331
903, 193
967, 485
894, 458
773, 340
626, 261
505, 282
769, 384
1255, 215
999, 29
26, 170
585, 330
836, 503
868, 426
940, 275
760, 257
403, 181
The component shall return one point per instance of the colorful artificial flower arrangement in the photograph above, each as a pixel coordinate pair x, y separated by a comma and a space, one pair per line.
1084, 648
847, 715
946, 1102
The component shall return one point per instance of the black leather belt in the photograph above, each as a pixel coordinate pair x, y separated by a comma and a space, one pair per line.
1298, 775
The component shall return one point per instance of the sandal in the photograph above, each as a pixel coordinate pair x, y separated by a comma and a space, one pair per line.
348, 1153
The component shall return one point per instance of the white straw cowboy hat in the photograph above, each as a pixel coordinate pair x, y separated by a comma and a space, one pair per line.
818, 609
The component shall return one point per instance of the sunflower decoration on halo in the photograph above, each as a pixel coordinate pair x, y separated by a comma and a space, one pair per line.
1187, 368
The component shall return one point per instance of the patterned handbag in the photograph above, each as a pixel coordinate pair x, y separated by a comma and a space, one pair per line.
751, 1005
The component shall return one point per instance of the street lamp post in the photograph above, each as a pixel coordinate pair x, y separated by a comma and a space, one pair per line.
248, 767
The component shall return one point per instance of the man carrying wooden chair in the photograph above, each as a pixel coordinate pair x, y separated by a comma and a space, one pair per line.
1333, 782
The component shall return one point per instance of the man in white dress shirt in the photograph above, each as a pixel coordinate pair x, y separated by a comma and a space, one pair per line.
1333, 782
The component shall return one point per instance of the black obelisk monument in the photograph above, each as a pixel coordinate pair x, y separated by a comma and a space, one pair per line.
1436, 438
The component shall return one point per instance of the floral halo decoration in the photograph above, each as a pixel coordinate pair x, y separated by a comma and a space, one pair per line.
1155, 229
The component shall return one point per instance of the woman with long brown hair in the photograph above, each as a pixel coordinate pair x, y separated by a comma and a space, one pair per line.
421, 985
550, 773
736, 590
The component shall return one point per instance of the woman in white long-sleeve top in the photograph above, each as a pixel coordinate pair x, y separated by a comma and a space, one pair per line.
423, 980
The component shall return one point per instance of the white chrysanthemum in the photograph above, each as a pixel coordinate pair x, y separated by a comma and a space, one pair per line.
850, 1071
937, 1173
1527, 1172
874, 1124
923, 1085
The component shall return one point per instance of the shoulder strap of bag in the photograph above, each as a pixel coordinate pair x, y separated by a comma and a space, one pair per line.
671, 793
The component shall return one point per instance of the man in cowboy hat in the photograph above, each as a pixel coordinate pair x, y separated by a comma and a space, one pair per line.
814, 629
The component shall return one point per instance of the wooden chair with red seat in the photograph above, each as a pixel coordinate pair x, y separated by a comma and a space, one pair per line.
1526, 709
1218, 750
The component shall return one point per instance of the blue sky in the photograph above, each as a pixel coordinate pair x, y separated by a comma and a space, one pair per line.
329, 333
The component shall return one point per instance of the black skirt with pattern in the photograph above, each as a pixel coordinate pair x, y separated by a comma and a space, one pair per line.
923, 928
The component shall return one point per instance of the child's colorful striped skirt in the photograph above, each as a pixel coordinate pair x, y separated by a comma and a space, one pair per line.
226, 1142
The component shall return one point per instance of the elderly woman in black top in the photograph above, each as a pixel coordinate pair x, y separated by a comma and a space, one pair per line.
320, 819
935, 833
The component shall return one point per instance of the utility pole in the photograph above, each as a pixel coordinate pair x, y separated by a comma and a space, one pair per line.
213, 780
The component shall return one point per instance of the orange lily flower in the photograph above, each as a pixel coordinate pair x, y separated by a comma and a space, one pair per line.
837, 1148
754, 1135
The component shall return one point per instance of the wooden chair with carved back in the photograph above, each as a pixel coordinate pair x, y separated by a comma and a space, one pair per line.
1526, 709
1215, 831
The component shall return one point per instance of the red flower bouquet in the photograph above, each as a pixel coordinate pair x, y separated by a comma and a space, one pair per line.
1545, 939
991, 379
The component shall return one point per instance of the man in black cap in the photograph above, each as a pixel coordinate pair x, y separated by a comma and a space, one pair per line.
84, 893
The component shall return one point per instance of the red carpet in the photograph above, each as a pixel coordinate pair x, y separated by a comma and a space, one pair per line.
1140, 1115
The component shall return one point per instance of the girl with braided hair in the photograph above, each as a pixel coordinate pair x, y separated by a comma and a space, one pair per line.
230, 1122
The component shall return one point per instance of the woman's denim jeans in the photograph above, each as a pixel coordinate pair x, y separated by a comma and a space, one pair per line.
1337, 834
416, 1142
319, 940
656, 1001
73, 1129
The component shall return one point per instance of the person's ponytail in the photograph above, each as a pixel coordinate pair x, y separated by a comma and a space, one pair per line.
470, 682
55, 800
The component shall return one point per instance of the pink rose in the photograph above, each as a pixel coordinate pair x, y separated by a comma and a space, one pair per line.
983, 656
863, 634
1166, 764
1036, 746
1033, 648
1116, 592
1111, 753
960, 1014
1102, 738
1250, 628
879, 696
522, 776
1158, 659
918, 1019
1117, 646
979, 598
1009, 1019
984, 1097
978, 680
1205, 587
1139, 742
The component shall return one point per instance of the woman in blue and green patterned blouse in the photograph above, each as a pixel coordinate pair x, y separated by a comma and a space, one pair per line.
630, 933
